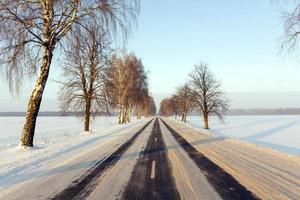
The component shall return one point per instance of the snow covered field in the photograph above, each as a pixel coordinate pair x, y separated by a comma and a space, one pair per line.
56, 137
49, 129
268, 173
62, 154
280, 132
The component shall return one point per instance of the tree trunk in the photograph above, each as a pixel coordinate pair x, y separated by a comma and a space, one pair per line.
35, 100
205, 118
87, 115
129, 115
124, 116
121, 115
182, 117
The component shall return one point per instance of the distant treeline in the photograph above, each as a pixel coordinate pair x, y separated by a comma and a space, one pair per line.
254, 111
260, 111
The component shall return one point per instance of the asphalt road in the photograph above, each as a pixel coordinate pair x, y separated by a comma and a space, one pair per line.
152, 162
82, 187
226, 186
152, 175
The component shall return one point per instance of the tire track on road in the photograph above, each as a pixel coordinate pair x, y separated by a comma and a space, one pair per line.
82, 187
152, 175
225, 184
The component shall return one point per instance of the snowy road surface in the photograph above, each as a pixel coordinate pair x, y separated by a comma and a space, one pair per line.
152, 175
160, 159
267, 173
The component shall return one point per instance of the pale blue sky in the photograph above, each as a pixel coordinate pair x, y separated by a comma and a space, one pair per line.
239, 39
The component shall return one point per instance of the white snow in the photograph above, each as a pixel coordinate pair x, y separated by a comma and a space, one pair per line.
184, 169
56, 137
47, 129
60, 142
279, 132
267, 173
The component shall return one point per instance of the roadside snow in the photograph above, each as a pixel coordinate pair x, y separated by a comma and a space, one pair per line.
267, 173
279, 132
49, 130
55, 137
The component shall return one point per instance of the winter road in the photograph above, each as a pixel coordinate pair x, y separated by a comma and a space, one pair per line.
152, 160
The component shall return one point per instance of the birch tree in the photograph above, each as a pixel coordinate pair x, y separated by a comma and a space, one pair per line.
209, 97
31, 30
127, 80
142, 100
184, 99
150, 108
166, 107
291, 28
145, 106
175, 106
83, 88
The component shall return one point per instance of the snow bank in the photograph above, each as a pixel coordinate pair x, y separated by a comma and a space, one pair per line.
55, 137
268, 173
280, 132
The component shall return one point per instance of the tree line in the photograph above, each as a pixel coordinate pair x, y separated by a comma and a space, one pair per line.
201, 93
98, 79
32, 31
127, 88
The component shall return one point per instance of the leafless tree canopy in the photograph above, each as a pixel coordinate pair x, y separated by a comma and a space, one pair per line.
292, 28
184, 101
30, 31
167, 107
208, 95
145, 106
127, 86
88, 56
27, 26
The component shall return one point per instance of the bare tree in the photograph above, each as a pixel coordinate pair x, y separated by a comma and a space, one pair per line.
31, 30
142, 100
175, 105
150, 108
83, 88
292, 29
146, 108
127, 81
184, 99
140, 92
208, 95
118, 85
166, 107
